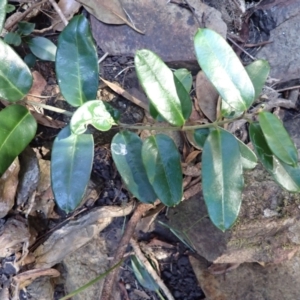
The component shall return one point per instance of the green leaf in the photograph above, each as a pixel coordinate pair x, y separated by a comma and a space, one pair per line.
71, 165
42, 48
224, 69
25, 28
278, 139
158, 83
229, 112
3, 4
258, 72
142, 275
94, 113
185, 77
15, 76
126, 150
30, 60
184, 97
260, 145
222, 178
9, 8
249, 159
77, 62
162, 163
286, 176
200, 136
17, 129
13, 38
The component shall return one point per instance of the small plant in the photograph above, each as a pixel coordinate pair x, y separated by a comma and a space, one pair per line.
151, 169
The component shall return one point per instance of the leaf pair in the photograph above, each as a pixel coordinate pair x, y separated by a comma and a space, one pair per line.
150, 169
73, 152
276, 151
167, 92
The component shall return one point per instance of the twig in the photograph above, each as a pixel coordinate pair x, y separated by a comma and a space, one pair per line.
150, 269
49, 107
23, 15
59, 12
241, 48
111, 277
288, 88
101, 59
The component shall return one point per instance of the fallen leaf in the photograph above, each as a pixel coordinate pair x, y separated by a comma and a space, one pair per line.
38, 86
207, 96
125, 94
8, 187
192, 156
107, 11
68, 8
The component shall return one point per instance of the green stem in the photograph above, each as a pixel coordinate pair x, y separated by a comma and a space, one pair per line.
90, 282
49, 107
173, 128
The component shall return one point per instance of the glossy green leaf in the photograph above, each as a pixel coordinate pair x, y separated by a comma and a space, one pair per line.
286, 176
200, 136
17, 129
77, 63
94, 113
278, 139
185, 77
13, 39
184, 97
25, 28
162, 163
158, 83
3, 4
258, 72
260, 146
142, 275
249, 159
15, 76
222, 178
30, 60
71, 164
224, 69
126, 150
42, 48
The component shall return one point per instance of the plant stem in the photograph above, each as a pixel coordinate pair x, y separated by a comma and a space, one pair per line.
49, 107
173, 128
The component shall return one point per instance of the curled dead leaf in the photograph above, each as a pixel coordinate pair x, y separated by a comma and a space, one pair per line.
207, 96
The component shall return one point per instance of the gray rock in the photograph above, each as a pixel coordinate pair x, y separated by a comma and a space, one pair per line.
283, 53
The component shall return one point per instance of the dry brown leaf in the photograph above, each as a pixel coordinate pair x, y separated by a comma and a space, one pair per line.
38, 86
125, 94
207, 96
69, 8
107, 11
192, 156
47, 121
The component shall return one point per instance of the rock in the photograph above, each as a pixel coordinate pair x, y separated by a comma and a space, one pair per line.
285, 40
158, 20
84, 265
